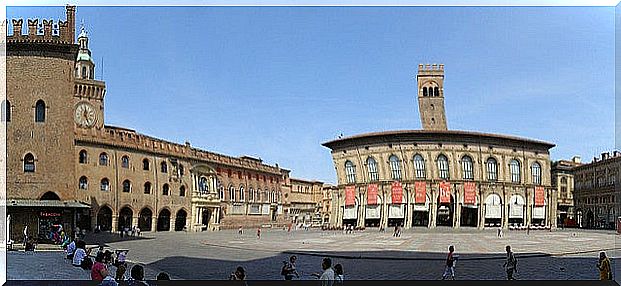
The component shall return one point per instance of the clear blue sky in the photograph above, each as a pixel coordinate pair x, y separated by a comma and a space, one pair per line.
276, 82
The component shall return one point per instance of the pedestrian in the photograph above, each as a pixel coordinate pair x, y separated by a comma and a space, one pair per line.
289, 268
327, 277
449, 270
289, 228
394, 233
605, 272
25, 235
138, 231
80, 256
259, 233
241, 230
239, 274
137, 276
163, 276
99, 270
499, 232
134, 230
121, 265
338, 275
510, 264
70, 249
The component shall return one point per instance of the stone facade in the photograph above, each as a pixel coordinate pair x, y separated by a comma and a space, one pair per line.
596, 193
430, 81
114, 177
563, 183
304, 201
508, 178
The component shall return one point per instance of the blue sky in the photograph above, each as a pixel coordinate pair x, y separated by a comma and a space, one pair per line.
276, 82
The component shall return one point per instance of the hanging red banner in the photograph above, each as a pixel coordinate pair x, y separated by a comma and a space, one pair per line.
539, 197
397, 193
420, 192
470, 194
372, 194
445, 192
350, 196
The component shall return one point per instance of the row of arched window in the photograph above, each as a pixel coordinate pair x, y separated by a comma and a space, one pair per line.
146, 164
431, 91
40, 110
467, 169
253, 195
104, 185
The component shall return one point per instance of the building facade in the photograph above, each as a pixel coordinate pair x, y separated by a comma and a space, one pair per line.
563, 183
596, 193
66, 167
304, 201
437, 177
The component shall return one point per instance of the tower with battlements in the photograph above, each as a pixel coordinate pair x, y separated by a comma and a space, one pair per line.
430, 81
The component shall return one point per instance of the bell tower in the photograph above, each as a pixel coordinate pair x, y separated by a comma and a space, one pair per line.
430, 81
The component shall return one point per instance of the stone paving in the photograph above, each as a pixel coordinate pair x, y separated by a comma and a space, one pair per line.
417, 254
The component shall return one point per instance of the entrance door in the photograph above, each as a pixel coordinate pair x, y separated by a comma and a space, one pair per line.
445, 213
145, 219
180, 220
420, 218
163, 220
469, 216
125, 218
206, 217
104, 218
274, 214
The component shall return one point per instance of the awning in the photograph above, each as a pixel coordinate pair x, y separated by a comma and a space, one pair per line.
46, 203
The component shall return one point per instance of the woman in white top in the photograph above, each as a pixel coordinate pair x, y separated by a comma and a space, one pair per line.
338, 275
80, 254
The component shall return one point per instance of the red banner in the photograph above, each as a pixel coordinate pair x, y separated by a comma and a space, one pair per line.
397, 193
350, 196
539, 197
445, 192
470, 194
420, 190
372, 194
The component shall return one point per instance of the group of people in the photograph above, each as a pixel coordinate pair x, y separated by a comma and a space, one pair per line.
79, 254
330, 276
127, 232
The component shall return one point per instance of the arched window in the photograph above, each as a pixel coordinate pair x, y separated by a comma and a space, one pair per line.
466, 168
536, 172
203, 185
83, 184
372, 165
181, 170
147, 188
436, 92
83, 72
182, 191
395, 167
274, 199
231, 193
251, 195
164, 167
83, 157
221, 192
492, 169
125, 162
104, 185
6, 111
29, 163
103, 159
242, 195
443, 167
40, 111
424, 91
350, 172
166, 190
514, 167
145, 164
419, 166
563, 180
127, 186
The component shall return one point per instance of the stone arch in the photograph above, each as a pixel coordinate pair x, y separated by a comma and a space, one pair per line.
125, 217
181, 219
145, 219
517, 205
104, 218
50, 196
163, 219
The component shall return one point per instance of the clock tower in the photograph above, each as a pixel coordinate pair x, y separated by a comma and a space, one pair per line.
88, 92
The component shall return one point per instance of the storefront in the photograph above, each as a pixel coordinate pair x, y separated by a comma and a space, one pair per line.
43, 217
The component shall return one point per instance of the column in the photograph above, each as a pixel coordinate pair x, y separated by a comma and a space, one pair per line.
407, 223
134, 222
172, 223
433, 209
363, 209
457, 209
154, 223
115, 221
482, 216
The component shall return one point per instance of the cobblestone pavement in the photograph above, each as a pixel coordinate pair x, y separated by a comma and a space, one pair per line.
417, 254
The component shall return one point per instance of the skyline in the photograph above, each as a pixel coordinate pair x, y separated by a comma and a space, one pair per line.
287, 70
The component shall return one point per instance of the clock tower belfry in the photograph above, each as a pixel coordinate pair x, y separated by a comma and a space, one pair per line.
88, 92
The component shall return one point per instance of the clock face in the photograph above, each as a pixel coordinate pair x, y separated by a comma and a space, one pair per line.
85, 115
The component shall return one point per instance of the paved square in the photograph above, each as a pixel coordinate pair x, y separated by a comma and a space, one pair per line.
417, 254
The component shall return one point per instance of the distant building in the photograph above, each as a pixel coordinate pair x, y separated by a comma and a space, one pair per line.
597, 189
438, 177
563, 182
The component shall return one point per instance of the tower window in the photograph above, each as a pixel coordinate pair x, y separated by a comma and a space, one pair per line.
424, 91
40, 111
83, 157
104, 185
83, 72
6, 111
165, 190
164, 167
145, 164
436, 92
125, 162
147, 188
83, 183
182, 191
103, 159
29, 163
127, 186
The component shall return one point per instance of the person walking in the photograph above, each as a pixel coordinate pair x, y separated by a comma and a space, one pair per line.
259, 233
510, 264
499, 232
338, 275
327, 277
241, 230
449, 269
25, 234
289, 269
605, 272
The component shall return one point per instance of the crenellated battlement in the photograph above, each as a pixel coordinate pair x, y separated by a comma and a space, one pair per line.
45, 31
430, 69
